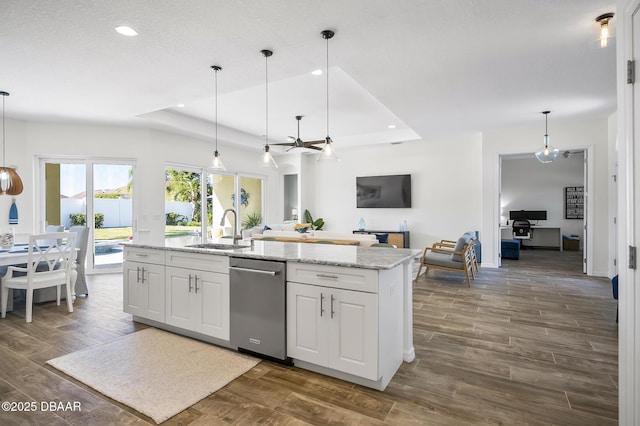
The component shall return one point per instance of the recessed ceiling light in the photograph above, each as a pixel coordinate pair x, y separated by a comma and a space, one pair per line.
180, 105
126, 31
316, 72
391, 126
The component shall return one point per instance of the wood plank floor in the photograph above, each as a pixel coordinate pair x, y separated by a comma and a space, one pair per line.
532, 343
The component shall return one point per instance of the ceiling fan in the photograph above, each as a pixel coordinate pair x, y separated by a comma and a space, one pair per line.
299, 143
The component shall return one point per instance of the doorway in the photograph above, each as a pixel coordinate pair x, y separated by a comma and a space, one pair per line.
554, 193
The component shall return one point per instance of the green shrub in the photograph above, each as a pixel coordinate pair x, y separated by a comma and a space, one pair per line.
80, 219
99, 220
173, 218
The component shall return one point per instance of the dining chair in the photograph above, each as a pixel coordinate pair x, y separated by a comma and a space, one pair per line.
51, 258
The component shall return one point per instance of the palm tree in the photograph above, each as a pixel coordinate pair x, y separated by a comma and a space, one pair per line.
184, 186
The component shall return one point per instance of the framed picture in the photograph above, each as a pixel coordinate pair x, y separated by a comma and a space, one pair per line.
574, 202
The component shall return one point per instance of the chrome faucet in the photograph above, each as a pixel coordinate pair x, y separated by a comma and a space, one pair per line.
235, 223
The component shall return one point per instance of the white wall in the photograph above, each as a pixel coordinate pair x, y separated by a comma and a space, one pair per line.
565, 136
527, 184
151, 149
446, 187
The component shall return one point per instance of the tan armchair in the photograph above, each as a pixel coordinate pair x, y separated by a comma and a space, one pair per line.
456, 258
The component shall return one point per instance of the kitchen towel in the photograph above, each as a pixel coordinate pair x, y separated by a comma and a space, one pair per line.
13, 213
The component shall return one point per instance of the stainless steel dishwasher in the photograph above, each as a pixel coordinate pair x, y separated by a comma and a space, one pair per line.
258, 306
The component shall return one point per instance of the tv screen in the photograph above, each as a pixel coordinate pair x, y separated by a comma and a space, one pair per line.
383, 191
528, 215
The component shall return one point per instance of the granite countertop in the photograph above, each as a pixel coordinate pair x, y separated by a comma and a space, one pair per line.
322, 254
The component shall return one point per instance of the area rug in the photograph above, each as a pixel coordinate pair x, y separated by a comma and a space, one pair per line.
156, 373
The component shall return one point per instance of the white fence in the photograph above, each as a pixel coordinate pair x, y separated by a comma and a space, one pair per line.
118, 213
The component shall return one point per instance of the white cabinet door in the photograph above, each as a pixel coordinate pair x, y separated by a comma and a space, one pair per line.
353, 346
198, 301
307, 337
180, 307
212, 304
144, 290
333, 328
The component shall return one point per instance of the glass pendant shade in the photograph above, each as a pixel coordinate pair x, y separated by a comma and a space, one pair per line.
547, 153
266, 160
328, 151
216, 162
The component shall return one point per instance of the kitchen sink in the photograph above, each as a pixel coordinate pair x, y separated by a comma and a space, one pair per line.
214, 246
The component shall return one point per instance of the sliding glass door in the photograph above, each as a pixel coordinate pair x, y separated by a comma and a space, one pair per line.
97, 194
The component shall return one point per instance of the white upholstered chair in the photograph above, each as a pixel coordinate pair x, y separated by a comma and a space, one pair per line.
51, 264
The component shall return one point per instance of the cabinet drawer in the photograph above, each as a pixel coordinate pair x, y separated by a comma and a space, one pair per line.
333, 276
199, 261
145, 255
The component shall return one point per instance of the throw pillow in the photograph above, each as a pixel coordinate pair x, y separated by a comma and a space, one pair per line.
302, 230
266, 228
299, 226
459, 247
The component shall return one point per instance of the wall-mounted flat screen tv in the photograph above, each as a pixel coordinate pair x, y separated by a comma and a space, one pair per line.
383, 191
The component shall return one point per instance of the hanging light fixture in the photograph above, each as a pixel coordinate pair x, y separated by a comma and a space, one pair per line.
328, 152
266, 160
605, 31
10, 182
547, 153
216, 162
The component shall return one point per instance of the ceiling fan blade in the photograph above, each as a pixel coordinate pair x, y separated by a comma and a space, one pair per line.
284, 143
314, 147
315, 142
290, 149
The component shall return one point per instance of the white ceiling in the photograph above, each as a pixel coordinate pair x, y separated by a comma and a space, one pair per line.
431, 68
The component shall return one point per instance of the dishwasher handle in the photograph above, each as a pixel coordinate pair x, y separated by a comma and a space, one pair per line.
256, 271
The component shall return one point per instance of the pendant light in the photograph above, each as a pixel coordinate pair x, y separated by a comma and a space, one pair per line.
266, 160
547, 153
328, 152
216, 162
10, 182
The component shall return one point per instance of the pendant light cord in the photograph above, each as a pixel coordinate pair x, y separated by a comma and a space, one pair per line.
4, 154
266, 97
327, 88
216, 110
546, 128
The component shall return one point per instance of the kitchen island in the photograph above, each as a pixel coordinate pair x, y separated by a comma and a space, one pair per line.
348, 308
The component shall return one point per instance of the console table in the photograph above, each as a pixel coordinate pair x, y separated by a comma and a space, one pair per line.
399, 239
